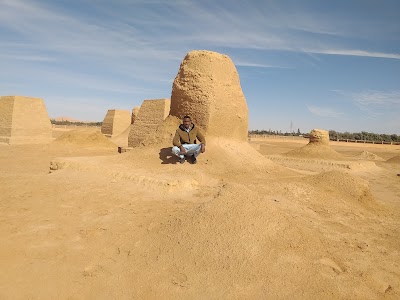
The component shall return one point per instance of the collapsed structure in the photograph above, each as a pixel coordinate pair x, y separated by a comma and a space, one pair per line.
135, 113
115, 122
319, 136
318, 147
152, 113
24, 120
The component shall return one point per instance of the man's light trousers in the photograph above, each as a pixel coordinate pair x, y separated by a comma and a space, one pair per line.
191, 149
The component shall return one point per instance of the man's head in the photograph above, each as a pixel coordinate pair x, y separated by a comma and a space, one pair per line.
187, 121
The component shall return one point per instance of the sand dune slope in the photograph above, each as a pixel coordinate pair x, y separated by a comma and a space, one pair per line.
244, 243
315, 151
369, 156
262, 228
84, 137
394, 159
235, 225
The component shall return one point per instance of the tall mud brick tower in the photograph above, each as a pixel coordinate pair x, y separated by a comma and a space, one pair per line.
24, 120
115, 122
207, 87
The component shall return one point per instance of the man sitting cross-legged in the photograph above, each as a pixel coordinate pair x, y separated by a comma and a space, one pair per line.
185, 141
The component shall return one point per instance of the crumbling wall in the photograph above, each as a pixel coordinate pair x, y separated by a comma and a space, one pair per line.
6, 111
135, 112
115, 122
151, 114
319, 136
317, 148
24, 120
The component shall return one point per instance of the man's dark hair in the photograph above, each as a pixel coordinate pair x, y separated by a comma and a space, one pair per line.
187, 117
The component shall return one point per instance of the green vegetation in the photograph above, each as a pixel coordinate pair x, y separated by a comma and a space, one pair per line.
364, 136
273, 132
75, 123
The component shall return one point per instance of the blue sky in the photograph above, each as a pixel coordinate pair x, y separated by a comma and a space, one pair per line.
313, 64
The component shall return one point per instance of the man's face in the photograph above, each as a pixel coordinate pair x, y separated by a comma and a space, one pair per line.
187, 122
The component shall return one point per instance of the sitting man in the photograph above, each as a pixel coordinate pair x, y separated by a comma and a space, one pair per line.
185, 141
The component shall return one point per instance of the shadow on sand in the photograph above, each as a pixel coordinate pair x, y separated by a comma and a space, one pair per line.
167, 157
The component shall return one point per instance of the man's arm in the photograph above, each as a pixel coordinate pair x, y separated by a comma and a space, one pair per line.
202, 140
201, 137
177, 142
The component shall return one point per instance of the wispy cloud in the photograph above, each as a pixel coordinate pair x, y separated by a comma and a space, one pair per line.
380, 98
374, 104
324, 111
134, 47
37, 58
350, 52
373, 97
188, 25
241, 63
49, 30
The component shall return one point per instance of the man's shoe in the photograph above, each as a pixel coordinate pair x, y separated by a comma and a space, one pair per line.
182, 160
194, 160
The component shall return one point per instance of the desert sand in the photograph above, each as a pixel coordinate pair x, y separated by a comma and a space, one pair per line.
109, 226
265, 218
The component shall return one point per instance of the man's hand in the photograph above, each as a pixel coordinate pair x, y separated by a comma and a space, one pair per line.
203, 148
183, 150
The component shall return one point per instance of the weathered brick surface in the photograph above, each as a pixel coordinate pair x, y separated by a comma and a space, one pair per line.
6, 111
135, 112
151, 114
115, 122
319, 136
207, 87
24, 120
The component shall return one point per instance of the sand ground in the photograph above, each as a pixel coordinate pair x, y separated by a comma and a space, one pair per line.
104, 225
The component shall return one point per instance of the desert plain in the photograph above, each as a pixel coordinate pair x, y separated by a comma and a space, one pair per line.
81, 221
258, 218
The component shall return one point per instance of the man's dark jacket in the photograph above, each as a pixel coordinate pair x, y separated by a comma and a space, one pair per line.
184, 137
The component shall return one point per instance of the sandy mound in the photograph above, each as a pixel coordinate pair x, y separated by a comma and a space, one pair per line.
317, 148
369, 156
241, 244
394, 160
238, 241
85, 137
316, 151
207, 87
343, 186
239, 157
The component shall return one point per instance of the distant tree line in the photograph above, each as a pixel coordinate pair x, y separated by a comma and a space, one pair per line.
276, 132
334, 135
75, 123
363, 136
